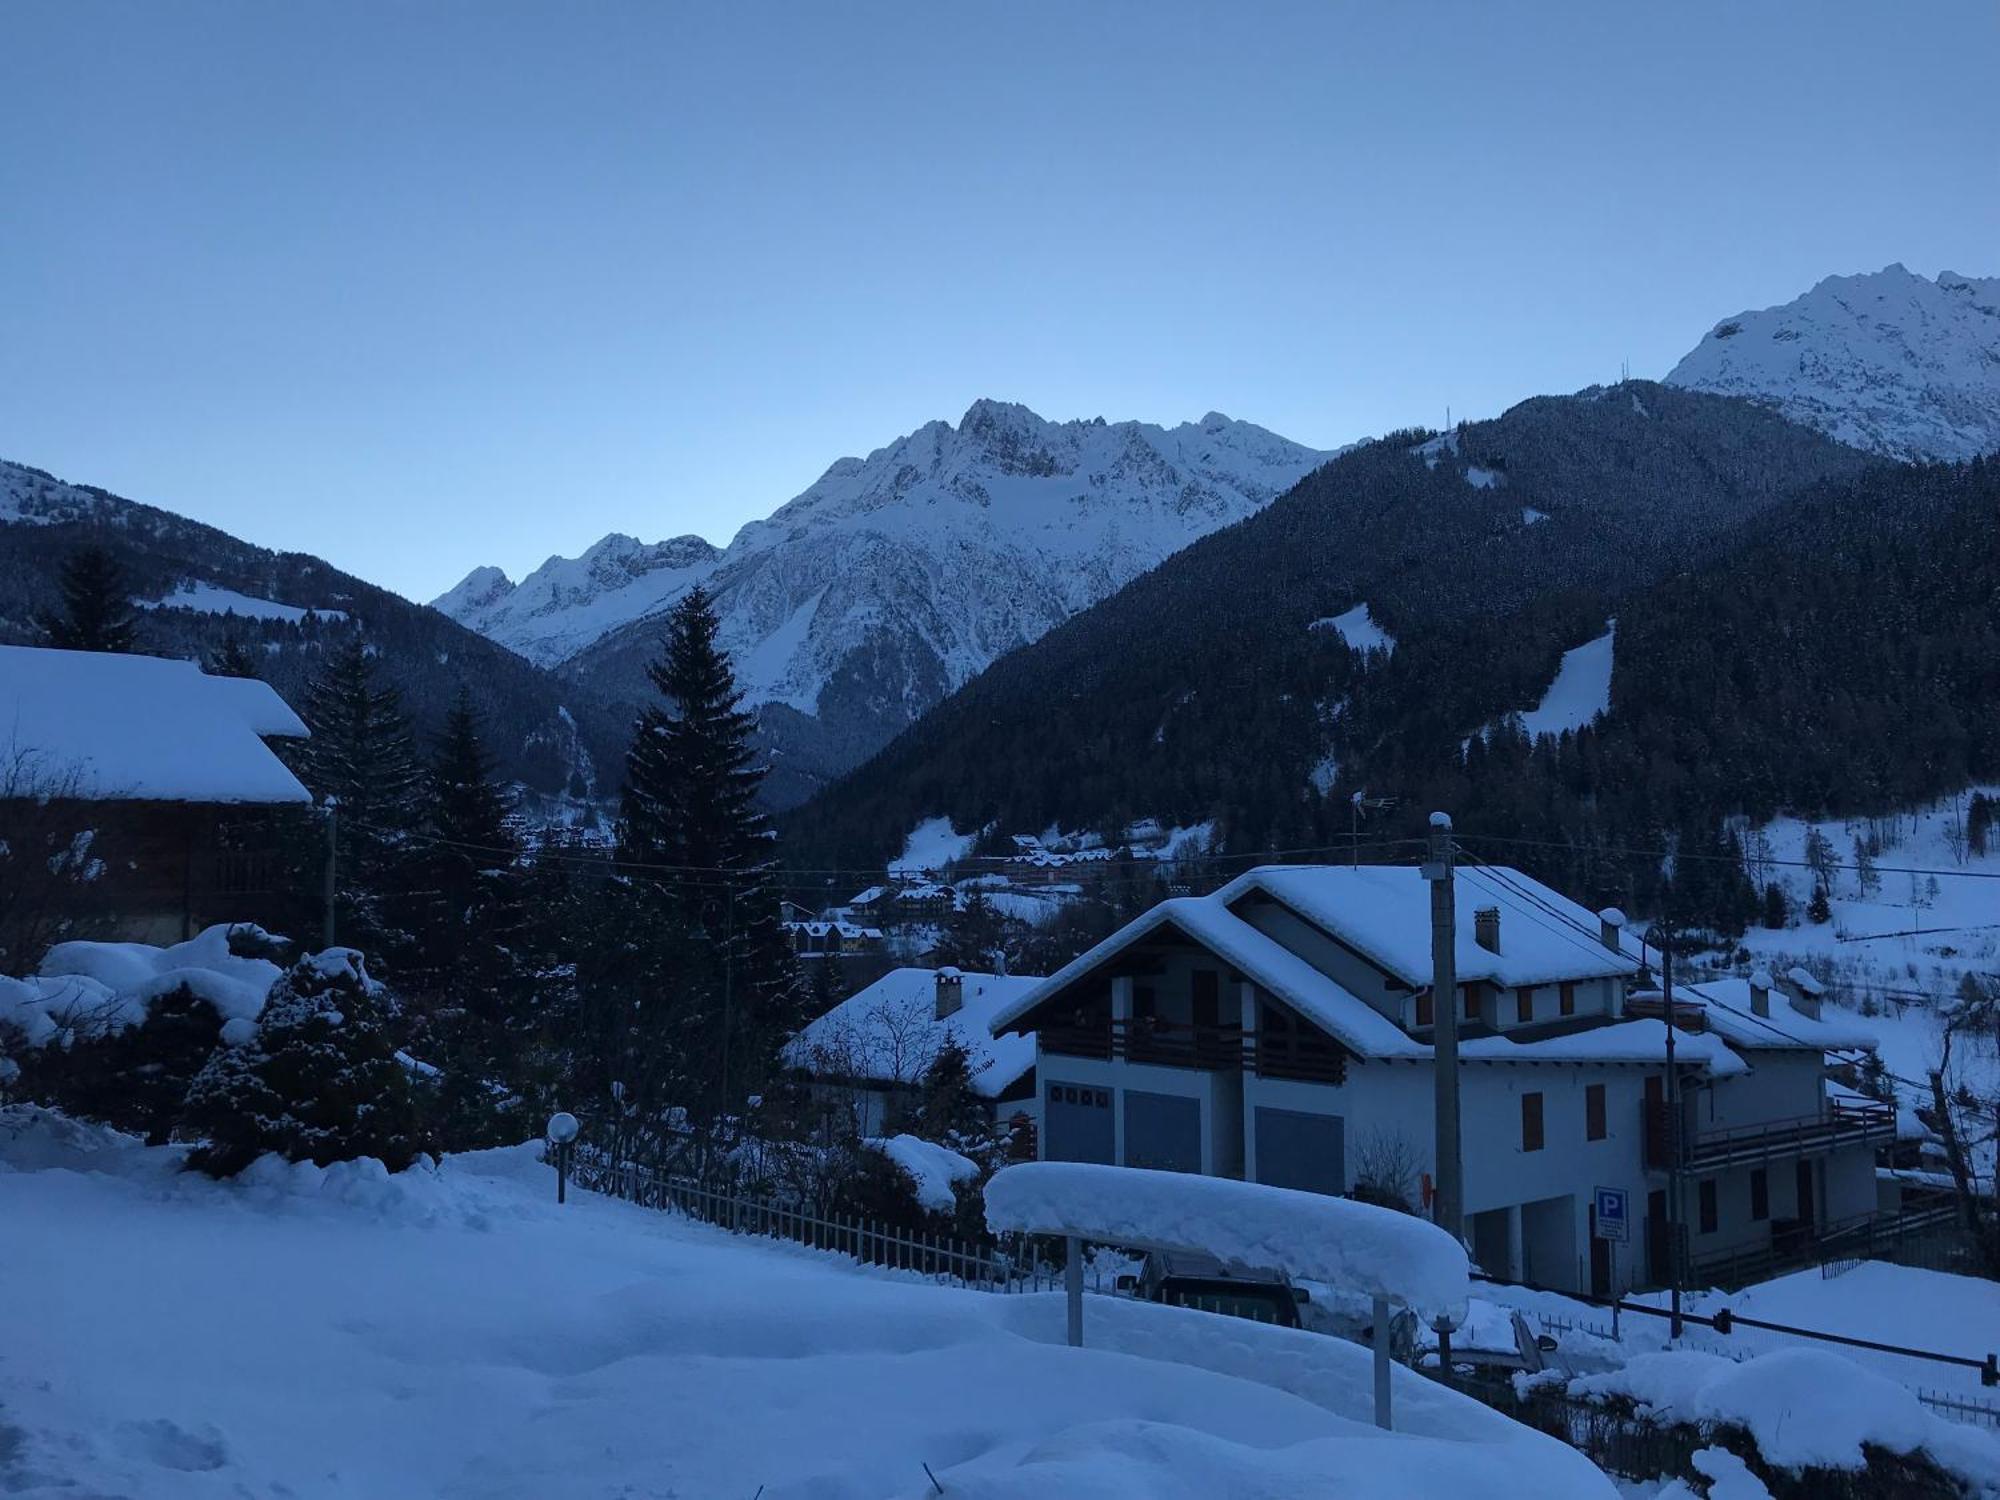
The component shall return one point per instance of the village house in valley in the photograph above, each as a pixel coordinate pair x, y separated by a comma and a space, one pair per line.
162, 771
1279, 1030
870, 1053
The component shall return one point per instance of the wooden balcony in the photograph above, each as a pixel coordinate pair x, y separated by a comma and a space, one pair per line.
1164, 1044
1273, 1054
1845, 1123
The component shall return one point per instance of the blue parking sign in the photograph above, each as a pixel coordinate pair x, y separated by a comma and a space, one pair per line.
1611, 1216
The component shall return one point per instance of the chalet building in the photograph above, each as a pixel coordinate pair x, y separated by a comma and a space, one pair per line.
871, 1051
1279, 1030
168, 774
814, 938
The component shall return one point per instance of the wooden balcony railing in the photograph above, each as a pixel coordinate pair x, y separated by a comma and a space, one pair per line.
1271, 1054
1846, 1123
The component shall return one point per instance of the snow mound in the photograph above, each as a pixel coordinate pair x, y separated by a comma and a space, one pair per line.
1806, 1408
1355, 1246
931, 1168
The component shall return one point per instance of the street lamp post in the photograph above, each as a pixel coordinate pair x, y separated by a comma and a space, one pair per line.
562, 1135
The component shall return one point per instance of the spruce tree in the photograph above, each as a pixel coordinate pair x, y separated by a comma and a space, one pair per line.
1777, 910
320, 1081
1820, 910
360, 756
97, 607
702, 855
470, 955
1978, 823
229, 659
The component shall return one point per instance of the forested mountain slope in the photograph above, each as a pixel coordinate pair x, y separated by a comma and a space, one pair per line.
1203, 689
555, 738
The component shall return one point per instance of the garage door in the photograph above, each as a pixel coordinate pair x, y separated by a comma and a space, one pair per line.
1162, 1131
1296, 1149
1077, 1124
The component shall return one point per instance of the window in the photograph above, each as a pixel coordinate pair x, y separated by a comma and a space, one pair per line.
1531, 1122
1593, 1112
1424, 1016
1207, 997
1524, 1004
1472, 1002
1569, 997
1708, 1211
1760, 1195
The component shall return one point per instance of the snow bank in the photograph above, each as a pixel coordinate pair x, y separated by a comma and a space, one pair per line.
1355, 1246
1806, 1408
94, 989
307, 1335
931, 1168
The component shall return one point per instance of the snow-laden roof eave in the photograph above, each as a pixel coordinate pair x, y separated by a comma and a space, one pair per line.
1473, 963
1315, 995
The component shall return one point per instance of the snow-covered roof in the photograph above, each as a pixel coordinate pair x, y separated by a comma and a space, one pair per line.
1313, 994
1350, 1020
863, 898
1383, 912
889, 1032
1642, 1042
143, 728
1726, 1002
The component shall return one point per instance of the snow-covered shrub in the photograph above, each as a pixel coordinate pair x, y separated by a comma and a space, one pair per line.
319, 1082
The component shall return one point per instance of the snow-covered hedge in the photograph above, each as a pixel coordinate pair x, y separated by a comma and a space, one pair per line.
1354, 1246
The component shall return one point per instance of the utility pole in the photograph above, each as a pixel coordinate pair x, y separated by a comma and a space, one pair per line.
1448, 1207
1673, 1136
332, 862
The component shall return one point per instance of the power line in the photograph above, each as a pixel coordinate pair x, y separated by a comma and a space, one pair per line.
1796, 864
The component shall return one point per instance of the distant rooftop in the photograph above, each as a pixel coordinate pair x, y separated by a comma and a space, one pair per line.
111, 727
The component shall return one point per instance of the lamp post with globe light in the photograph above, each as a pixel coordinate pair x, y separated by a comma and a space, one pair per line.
562, 1135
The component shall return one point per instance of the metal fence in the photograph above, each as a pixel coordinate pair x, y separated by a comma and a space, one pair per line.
1624, 1444
992, 1265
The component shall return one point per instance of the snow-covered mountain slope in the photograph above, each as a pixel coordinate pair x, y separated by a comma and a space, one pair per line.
1890, 362
897, 577
568, 602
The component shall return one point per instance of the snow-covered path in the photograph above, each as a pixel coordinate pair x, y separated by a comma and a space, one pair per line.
341, 1333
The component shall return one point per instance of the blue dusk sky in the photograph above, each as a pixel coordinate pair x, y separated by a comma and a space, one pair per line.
420, 286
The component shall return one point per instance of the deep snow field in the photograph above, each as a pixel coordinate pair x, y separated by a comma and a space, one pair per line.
317, 1333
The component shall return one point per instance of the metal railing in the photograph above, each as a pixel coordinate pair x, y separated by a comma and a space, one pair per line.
1845, 1124
991, 1265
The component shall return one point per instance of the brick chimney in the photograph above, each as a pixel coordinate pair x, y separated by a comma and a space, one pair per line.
1486, 928
1610, 925
950, 992
1760, 992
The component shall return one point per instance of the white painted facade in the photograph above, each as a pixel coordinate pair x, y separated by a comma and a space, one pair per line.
1577, 1065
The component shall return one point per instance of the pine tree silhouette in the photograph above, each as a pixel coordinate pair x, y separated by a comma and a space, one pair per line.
97, 610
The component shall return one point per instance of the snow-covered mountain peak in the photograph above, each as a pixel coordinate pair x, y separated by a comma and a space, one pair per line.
898, 576
1890, 361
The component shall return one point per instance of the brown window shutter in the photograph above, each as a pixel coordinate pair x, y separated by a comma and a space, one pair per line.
1424, 1010
1531, 1122
1593, 1111
1569, 997
1524, 1004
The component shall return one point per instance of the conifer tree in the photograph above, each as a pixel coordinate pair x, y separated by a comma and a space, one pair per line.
1777, 910
471, 951
360, 756
230, 659
97, 607
320, 1081
691, 820
1820, 910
